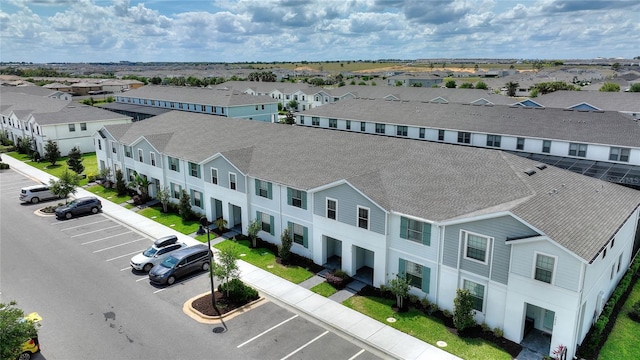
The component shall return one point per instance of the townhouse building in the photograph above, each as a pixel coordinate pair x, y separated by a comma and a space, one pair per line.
602, 144
537, 246
226, 103
42, 119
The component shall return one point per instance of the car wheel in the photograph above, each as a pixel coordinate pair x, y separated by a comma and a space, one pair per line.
205, 266
35, 200
25, 356
171, 280
147, 267
68, 215
94, 210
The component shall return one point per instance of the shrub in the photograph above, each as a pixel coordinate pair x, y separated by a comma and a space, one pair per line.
284, 250
338, 279
485, 327
238, 291
498, 332
635, 312
414, 300
463, 310
4, 166
446, 313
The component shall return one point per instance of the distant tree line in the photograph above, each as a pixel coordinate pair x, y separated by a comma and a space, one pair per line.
27, 73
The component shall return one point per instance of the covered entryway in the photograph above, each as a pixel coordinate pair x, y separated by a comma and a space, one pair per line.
333, 248
363, 260
235, 218
538, 328
216, 209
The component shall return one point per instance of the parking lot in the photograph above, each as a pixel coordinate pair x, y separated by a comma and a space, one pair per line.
270, 331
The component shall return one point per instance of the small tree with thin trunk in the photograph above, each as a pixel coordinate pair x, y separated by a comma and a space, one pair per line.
226, 267
399, 286
75, 160
163, 196
51, 152
253, 229
284, 249
463, 310
67, 184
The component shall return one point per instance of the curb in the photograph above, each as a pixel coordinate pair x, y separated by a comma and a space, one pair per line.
207, 319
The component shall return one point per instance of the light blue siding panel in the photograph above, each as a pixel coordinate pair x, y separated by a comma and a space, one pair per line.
224, 168
348, 201
403, 227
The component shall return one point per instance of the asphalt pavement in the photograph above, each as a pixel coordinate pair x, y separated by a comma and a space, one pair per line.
376, 334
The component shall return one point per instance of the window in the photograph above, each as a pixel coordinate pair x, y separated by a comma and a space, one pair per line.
232, 181
174, 164
619, 154
83, 126
477, 294
297, 198
176, 190
417, 274
578, 150
379, 128
333, 123
546, 146
299, 234
114, 148
476, 247
619, 262
402, 130
520, 144
266, 222
363, 126
348, 124
464, 137
315, 121
302, 120
440, 135
128, 151
544, 268
72, 127
414, 230
194, 170
332, 209
153, 158
140, 155
196, 198
214, 176
493, 140
263, 188
363, 218
422, 132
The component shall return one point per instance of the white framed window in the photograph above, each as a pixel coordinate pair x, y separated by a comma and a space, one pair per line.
83, 126
379, 128
464, 137
333, 123
262, 188
332, 208
72, 127
619, 262
197, 198
544, 268
265, 222
194, 170
128, 151
579, 150
152, 155
476, 247
477, 293
298, 233
140, 155
174, 164
413, 273
315, 121
363, 126
520, 144
232, 181
114, 147
440, 135
414, 230
296, 198
493, 140
214, 176
619, 154
348, 124
176, 191
363, 217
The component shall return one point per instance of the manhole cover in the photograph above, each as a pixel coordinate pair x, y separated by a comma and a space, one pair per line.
172, 225
243, 254
218, 330
441, 343
391, 320
270, 266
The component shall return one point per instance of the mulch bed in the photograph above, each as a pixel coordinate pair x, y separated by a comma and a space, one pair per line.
205, 306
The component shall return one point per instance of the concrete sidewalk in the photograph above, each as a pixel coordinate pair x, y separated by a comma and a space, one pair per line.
327, 310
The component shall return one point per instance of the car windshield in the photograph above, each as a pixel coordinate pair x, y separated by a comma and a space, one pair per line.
169, 262
150, 252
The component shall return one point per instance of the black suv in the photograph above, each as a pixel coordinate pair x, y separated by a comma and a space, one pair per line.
79, 206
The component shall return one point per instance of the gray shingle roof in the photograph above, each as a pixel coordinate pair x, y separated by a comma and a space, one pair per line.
609, 101
202, 96
429, 180
611, 128
77, 113
35, 104
460, 96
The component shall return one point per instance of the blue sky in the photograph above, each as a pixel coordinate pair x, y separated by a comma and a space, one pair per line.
298, 30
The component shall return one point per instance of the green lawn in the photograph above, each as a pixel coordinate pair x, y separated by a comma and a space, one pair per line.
264, 259
621, 343
110, 194
427, 329
89, 161
324, 289
171, 220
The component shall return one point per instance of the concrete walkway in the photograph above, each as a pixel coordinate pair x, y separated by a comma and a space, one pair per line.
327, 310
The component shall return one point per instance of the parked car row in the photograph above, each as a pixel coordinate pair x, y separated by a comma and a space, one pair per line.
85, 205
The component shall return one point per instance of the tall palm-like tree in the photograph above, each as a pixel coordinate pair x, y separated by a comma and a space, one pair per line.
512, 87
141, 184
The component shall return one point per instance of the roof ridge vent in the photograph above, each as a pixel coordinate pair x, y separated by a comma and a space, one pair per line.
541, 166
529, 172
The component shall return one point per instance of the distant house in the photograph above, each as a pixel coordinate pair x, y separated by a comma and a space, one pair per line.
411, 80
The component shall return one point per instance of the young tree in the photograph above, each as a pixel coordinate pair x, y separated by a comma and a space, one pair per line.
289, 118
221, 224
24, 145
184, 206
399, 286
253, 228
15, 330
141, 184
463, 310
293, 104
226, 267
121, 186
284, 249
67, 184
163, 196
451, 84
512, 87
75, 160
610, 87
481, 85
51, 152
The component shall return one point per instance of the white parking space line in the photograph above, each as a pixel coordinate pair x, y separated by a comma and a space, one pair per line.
95, 231
356, 355
75, 227
157, 291
127, 268
125, 255
266, 331
115, 246
105, 238
142, 278
305, 345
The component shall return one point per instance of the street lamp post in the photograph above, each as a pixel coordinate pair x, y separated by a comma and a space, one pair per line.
205, 223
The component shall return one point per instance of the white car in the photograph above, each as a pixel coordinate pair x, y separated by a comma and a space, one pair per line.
155, 254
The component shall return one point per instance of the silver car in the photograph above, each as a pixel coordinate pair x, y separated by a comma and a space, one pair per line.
155, 254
